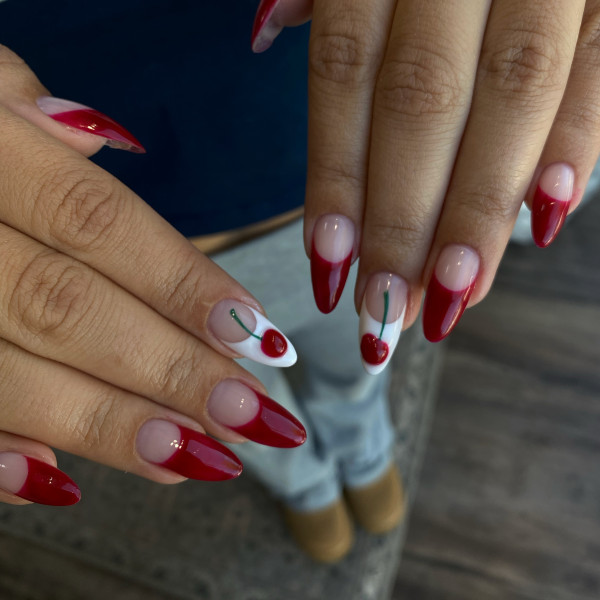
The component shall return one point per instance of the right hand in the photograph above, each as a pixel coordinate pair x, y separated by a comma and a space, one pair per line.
109, 345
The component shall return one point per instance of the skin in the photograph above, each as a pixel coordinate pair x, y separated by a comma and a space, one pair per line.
104, 304
431, 122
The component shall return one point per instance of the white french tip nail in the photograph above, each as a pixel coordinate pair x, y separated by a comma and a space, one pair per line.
265, 343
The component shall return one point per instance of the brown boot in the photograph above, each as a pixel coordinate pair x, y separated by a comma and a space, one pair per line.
379, 507
326, 535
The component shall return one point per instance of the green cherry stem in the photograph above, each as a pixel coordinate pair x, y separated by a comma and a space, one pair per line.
386, 305
234, 315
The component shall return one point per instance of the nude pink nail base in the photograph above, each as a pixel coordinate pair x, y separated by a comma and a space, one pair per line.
83, 118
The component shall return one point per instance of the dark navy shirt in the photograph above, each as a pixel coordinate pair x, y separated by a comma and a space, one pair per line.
224, 129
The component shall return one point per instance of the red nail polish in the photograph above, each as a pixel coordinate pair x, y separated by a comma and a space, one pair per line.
46, 484
273, 425
264, 31
330, 259
84, 118
551, 203
186, 452
449, 290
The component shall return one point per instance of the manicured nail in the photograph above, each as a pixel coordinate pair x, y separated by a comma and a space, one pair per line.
449, 290
249, 333
266, 27
254, 415
551, 203
330, 258
186, 452
381, 319
84, 118
36, 481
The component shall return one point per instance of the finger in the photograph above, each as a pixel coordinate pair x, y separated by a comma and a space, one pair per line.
28, 473
73, 206
58, 308
80, 127
573, 146
67, 409
422, 100
272, 16
522, 74
346, 46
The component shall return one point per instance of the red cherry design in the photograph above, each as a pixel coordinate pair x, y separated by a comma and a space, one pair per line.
373, 350
273, 344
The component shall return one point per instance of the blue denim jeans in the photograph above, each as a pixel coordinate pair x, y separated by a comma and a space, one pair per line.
344, 410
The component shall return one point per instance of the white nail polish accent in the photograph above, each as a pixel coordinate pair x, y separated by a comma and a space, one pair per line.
54, 106
254, 346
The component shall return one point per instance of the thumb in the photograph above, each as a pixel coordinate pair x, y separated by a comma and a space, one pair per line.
78, 126
273, 15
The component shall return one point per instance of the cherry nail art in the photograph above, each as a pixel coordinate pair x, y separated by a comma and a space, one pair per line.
265, 28
186, 452
36, 481
254, 415
381, 318
449, 290
551, 202
330, 259
249, 333
83, 118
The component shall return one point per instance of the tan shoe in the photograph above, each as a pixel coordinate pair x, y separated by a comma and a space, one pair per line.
326, 535
379, 507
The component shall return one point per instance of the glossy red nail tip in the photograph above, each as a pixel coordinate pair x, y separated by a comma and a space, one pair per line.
547, 217
84, 118
46, 484
328, 279
262, 38
442, 309
198, 456
273, 425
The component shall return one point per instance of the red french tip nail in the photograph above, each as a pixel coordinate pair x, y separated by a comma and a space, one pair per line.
46, 484
442, 309
547, 217
328, 279
198, 456
273, 426
263, 13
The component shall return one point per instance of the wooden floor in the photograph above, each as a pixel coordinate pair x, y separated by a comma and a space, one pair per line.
509, 500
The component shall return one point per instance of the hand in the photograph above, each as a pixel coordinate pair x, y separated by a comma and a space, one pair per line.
117, 335
429, 124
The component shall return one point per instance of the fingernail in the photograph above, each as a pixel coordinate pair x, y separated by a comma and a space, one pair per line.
84, 118
551, 201
186, 452
265, 28
381, 319
36, 481
249, 333
449, 290
254, 415
330, 258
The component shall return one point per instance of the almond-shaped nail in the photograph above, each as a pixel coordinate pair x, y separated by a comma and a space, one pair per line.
551, 201
254, 415
449, 290
249, 333
381, 318
83, 118
36, 481
330, 259
186, 452
266, 26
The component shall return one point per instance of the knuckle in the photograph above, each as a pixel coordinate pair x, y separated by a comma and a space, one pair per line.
51, 296
182, 291
418, 82
340, 57
589, 38
486, 208
339, 173
98, 427
406, 232
523, 61
83, 210
178, 378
